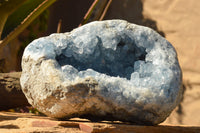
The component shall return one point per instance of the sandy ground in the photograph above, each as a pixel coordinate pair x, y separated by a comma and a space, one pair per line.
179, 20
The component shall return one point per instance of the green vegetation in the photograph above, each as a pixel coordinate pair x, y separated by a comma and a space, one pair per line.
17, 15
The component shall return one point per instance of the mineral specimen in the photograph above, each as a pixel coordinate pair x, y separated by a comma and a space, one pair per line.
108, 69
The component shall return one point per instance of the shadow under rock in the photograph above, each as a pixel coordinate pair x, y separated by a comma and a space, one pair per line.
9, 126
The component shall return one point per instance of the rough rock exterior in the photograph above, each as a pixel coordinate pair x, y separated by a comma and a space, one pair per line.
111, 70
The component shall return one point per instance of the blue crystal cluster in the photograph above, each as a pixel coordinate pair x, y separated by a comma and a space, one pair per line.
136, 69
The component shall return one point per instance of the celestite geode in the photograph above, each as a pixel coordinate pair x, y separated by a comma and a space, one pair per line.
108, 69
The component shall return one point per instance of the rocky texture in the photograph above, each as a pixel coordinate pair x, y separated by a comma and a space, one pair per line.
111, 68
11, 95
30, 123
181, 28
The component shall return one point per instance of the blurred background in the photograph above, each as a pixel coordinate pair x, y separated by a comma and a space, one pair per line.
176, 20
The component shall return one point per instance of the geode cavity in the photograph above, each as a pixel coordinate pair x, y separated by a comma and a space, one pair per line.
110, 69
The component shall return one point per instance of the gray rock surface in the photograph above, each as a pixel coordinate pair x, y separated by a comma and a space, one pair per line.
110, 70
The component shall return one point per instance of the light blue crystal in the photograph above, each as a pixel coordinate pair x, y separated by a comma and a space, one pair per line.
136, 69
